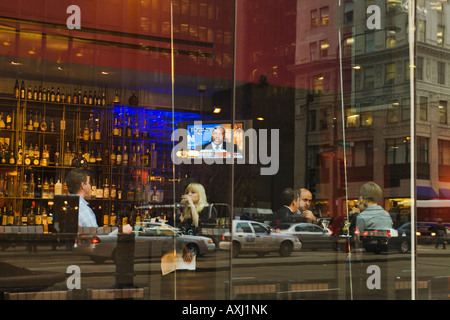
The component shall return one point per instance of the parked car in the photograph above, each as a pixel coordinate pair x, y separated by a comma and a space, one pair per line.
377, 241
310, 235
149, 242
256, 237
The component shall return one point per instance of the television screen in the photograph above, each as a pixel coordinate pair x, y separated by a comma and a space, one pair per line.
216, 140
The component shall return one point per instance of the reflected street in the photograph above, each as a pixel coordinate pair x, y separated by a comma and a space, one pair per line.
315, 274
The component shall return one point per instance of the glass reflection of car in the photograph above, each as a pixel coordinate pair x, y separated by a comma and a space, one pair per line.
259, 238
426, 235
149, 242
310, 235
377, 241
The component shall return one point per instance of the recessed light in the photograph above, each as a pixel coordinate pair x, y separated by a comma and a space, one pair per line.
260, 118
105, 72
217, 110
16, 63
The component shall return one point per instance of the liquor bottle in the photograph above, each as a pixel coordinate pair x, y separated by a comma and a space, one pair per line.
10, 216
85, 98
99, 99
46, 189
136, 132
75, 162
45, 157
32, 215
120, 128
22, 90
36, 122
75, 96
52, 125
65, 189
50, 216
45, 220
38, 191
92, 157
30, 122
113, 191
103, 98
52, 95
37, 155
29, 93
106, 189
62, 98
119, 156
24, 219
98, 134
90, 100
12, 158
93, 189
2, 122
44, 94
87, 155
145, 133
116, 97
69, 97
67, 156
146, 158
113, 217
57, 156
58, 188
35, 94
86, 132
16, 90
129, 129
125, 156
31, 187
112, 157
98, 157
40, 93
38, 217
82, 160
8, 122
115, 128
51, 189
106, 219
25, 186
119, 193
99, 191
56, 97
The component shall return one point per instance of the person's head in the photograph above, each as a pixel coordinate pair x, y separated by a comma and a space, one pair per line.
290, 198
370, 193
78, 182
305, 199
198, 195
218, 135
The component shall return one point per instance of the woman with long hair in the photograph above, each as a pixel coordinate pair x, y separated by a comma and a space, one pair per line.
194, 201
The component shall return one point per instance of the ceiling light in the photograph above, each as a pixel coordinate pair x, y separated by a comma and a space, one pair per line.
16, 63
217, 110
104, 72
260, 118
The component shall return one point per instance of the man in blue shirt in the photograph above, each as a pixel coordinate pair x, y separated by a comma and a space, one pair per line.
78, 183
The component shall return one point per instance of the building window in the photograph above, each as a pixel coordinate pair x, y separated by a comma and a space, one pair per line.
444, 152
397, 151
370, 42
318, 84
406, 109
422, 150
352, 118
314, 18
421, 31
440, 35
390, 73
366, 115
324, 16
324, 45
348, 12
423, 108
369, 78
313, 51
441, 72
443, 111
324, 118
393, 112
390, 39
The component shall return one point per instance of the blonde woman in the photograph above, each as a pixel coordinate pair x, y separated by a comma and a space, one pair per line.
194, 201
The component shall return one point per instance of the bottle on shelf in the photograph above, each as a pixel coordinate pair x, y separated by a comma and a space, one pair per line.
106, 190
16, 90
22, 90
10, 215
45, 157
58, 188
113, 217
32, 214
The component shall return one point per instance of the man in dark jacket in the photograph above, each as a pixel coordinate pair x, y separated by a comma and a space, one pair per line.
290, 199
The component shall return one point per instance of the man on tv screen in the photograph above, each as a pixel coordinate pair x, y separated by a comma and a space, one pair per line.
218, 142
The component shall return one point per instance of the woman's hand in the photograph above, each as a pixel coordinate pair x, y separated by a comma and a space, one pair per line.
186, 199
